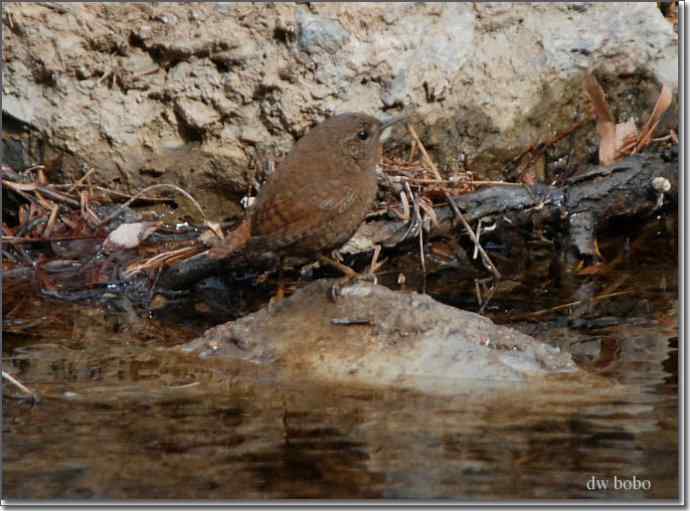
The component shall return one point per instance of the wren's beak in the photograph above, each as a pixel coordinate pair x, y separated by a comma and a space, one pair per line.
392, 121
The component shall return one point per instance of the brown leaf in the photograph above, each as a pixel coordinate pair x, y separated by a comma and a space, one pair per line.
607, 142
626, 137
606, 126
599, 104
662, 104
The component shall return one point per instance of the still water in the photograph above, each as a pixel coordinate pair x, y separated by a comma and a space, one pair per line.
123, 415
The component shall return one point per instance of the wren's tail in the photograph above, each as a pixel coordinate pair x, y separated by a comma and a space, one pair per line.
233, 241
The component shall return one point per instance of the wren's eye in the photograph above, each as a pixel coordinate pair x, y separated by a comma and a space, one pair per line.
363, 135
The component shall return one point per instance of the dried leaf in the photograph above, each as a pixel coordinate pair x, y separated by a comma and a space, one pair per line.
599, 104
129, 235
607, 142
662, 104
606, 126
626, 137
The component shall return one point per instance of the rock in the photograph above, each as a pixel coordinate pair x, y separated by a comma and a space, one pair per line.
486, 79
196, 114
406, 340
320, 34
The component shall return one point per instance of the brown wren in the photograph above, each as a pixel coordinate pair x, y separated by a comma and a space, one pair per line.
318, 195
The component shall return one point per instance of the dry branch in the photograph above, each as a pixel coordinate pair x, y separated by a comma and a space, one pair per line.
584, 205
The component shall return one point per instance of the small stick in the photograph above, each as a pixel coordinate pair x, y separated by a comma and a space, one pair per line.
51, 221
184, 386
13, 240
418, 219
58, 196
159, 259
41, 175
115, 192
478, 234
485, 257
487, 296
35, 168
572, 304
413, 151
33, 187
374, 266
86, 212
405, 206
149, 188
348, 322
428, 181
478, 292
83, 178
492, 183
427, 159
42, 201
20, 385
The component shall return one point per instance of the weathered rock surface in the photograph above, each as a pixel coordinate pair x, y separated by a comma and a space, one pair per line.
189, 94
409, 341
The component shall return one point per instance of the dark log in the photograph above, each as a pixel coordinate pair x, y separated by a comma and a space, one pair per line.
580, 208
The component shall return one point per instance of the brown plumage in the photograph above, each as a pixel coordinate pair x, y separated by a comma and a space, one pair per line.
319, 195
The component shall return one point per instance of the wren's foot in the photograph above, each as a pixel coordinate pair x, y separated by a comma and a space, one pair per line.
280, 292
351, 276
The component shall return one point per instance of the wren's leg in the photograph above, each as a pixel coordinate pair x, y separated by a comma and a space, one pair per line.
280, 292
345, 270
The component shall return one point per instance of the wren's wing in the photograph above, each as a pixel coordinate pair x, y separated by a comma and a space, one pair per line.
287, 214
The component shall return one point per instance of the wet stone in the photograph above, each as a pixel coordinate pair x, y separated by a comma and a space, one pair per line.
374, 336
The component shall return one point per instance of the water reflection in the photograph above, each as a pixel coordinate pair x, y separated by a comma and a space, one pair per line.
307, 441
125, 418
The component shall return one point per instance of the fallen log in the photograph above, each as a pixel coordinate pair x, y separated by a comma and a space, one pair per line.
637, 187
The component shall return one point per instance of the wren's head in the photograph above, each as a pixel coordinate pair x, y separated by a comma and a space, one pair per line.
351, 136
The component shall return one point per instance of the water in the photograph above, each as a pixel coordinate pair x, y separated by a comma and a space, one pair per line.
124, 417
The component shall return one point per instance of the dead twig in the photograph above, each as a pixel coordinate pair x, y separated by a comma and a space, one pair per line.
571, 304
159, 260
20, 386
51, 221
375, 266
486, 260
349, 322
422, 149
147, 189
83, 178
420, 222
38, 189
15, 240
